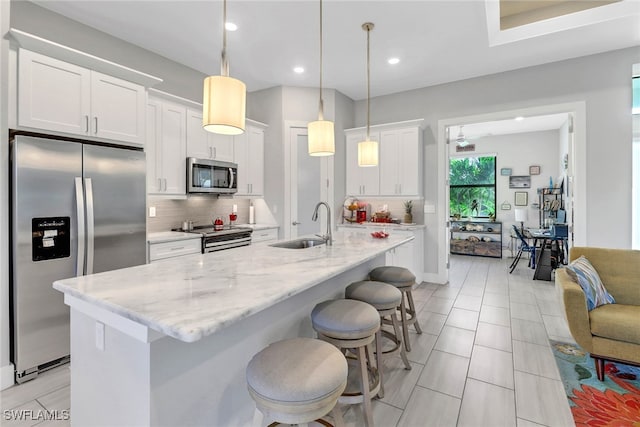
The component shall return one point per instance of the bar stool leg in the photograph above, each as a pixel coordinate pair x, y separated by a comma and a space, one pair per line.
405, 327
403, 353
412, 311
338, 421
379, 361
366, 393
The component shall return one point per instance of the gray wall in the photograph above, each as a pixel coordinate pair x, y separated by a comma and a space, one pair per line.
178, 79
602, 81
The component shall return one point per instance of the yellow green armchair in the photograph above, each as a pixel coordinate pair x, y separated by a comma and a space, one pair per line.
610, 331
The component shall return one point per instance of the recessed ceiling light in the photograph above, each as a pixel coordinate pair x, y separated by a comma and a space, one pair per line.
519, 119
230, 26
393, 61
298, 70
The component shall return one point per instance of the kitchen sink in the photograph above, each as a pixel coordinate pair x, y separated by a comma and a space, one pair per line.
299, 243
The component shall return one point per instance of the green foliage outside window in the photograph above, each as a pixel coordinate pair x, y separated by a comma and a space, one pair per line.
472, 179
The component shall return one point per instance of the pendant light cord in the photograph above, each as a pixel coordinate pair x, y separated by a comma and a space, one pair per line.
368, 26
321, 106
224, 63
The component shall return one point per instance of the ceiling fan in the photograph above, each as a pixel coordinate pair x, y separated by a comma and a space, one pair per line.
463, 141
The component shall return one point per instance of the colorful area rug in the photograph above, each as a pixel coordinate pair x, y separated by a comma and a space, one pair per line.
612, 402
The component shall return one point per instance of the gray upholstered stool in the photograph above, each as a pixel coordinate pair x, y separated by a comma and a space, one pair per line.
352, 325
298, 380
385, 298
404, 280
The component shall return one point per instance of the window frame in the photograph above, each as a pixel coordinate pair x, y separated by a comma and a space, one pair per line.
494, 185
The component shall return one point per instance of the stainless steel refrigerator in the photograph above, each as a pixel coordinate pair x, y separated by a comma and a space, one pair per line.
77, 209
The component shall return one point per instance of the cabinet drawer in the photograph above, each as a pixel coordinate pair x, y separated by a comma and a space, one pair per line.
264, 235
158, 251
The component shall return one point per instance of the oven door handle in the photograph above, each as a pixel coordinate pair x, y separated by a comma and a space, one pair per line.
226, 242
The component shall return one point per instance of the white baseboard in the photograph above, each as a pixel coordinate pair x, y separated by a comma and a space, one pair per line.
439, 279
6, 376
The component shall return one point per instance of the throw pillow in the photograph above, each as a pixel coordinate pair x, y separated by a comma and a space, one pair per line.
583, 273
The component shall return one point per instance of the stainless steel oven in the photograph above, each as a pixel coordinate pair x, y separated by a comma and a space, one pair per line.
223, 239
211, 176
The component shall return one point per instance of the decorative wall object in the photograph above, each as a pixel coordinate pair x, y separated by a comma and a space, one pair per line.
505, 171
506, 206
521, 198
520, 181
534, 170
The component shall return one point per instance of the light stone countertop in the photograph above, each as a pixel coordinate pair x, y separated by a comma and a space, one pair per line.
388, 226
171, 236
196, 295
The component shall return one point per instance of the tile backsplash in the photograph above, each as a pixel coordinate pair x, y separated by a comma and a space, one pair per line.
202, 210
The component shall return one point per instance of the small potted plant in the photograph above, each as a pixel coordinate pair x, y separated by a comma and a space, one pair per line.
408, 217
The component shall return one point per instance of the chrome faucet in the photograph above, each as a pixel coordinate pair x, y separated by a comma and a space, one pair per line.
327, 237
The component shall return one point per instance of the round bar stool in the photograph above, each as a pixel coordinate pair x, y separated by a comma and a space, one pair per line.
297, 381
384, 298
351, 326
404, 280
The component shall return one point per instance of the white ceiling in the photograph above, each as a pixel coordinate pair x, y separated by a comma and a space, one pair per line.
474, 131
436, 41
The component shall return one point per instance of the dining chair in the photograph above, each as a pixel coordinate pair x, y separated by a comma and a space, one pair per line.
524, 247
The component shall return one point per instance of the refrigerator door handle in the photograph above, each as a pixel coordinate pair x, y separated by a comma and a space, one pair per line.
81, 230
90, 225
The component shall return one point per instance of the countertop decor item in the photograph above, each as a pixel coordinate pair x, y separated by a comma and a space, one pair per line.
408, 217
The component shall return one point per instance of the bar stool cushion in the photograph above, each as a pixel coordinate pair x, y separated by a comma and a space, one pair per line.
297, 370
345, 319
397, 276
381, 296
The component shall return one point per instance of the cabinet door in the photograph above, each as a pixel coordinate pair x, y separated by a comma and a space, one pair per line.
390, 144
256, 160
153, 147
241, 157
117, 109
53, 94
408, 161
174, 148
361, 181
221, 146
197, 138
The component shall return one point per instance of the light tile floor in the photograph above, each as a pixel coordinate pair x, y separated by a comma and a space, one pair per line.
483, 359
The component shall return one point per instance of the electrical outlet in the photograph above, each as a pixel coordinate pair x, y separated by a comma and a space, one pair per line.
100, 336
152, 211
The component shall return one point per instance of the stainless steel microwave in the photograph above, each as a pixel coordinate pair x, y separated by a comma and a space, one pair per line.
211, 176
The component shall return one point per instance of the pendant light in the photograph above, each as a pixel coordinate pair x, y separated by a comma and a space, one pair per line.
224, 99
367, 149
320, 132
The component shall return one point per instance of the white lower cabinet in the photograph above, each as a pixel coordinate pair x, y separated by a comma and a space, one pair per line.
164, 250
264, 235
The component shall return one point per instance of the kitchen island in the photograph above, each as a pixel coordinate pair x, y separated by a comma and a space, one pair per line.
167, 343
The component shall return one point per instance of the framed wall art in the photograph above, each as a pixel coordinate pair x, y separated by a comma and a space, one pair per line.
534, 170
505, 171
520, 181
522, 198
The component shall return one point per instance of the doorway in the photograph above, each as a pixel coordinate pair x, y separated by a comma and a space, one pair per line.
308, 180
575, 174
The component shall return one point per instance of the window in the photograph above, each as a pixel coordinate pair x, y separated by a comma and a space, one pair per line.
472, 184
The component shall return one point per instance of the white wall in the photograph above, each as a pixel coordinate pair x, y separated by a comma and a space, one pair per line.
518, 152
600, 81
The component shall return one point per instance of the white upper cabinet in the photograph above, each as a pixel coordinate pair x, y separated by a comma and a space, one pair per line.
361, 181
206, 145
58, 96
249, 155
166, 148
400, 158
53, 94
399, 171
